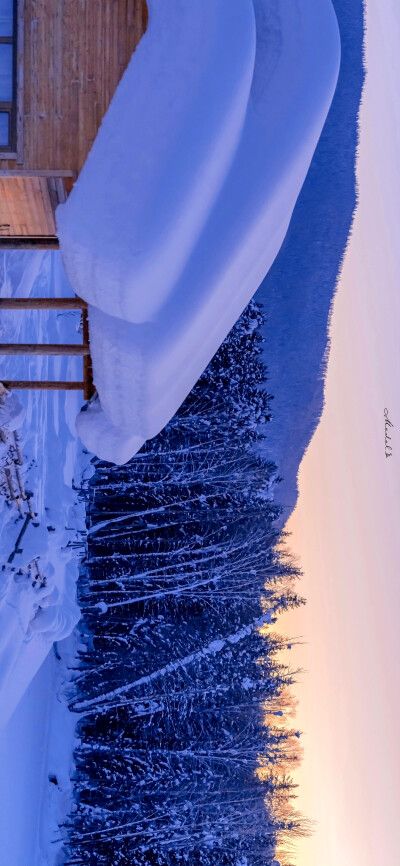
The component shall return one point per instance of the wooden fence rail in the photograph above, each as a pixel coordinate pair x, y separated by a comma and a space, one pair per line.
42, 304
43, 349
66, 349
28, 385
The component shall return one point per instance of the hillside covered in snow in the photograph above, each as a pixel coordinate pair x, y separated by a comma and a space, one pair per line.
187, 194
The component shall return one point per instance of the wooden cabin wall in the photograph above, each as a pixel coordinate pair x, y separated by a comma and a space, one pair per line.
75, 53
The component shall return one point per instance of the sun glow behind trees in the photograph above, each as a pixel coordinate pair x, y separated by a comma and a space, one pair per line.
345, 526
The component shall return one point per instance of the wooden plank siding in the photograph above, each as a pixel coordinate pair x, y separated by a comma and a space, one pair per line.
74, 55
28, 204
26, 207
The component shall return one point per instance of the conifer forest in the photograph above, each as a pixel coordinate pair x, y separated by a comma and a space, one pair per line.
187, 742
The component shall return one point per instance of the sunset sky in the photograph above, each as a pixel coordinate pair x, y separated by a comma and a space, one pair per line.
345, 529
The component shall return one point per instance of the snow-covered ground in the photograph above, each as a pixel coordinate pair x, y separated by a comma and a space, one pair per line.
36, 729
180, 284
38, 576
36, 767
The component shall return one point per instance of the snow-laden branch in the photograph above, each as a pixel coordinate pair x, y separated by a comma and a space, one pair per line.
212, 648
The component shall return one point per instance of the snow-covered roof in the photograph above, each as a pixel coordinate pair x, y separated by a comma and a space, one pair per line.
187, 194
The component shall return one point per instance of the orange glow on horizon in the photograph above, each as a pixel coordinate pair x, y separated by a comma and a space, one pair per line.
344, 529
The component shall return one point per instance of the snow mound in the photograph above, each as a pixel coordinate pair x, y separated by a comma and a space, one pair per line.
143, 370
33, 614
165, 147
101, 437
12, 412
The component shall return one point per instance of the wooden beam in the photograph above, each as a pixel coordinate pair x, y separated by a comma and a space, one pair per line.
43, 304
43, 349
89, 389
27, 385
37, 172
17, 549
20, 80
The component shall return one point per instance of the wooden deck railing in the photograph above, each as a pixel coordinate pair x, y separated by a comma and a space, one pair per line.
82, 349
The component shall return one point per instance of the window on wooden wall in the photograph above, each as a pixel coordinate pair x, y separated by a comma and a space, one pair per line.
8, 57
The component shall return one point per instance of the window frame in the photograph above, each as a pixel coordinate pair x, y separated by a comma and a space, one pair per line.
10, 108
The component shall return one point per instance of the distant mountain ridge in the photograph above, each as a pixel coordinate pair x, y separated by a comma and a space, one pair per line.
298, 290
